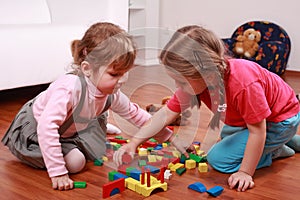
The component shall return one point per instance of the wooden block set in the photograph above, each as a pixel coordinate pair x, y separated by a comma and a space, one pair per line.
153, 159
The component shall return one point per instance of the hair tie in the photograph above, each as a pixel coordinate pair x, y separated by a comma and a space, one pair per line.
222, 108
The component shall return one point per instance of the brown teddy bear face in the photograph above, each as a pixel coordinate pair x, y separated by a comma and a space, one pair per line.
251, 34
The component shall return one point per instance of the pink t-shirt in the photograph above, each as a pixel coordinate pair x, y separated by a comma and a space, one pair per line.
252, 94
53, 106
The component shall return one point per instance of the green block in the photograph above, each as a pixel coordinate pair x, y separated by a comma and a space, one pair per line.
78, 184
119, 137
98, 162
142, 163
116, 147
152, 140
111, 175
150, 149
180, 171
195, 157
128, 170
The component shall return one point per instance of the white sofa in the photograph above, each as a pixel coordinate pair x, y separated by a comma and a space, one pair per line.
35, 35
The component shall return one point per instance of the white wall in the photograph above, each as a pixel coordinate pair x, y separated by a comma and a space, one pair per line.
223, 17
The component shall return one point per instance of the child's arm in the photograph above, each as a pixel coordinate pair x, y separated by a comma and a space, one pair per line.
154, 125
253, 152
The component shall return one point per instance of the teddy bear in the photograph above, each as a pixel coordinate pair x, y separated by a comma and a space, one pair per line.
181, 120
247, 44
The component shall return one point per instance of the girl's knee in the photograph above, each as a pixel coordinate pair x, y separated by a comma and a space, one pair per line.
75, 161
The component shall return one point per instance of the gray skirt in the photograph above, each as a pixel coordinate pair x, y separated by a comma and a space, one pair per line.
22, 140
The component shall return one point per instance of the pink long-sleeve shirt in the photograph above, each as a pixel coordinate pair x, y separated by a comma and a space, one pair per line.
53, 106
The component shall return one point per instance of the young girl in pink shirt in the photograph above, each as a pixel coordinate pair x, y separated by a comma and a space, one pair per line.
66, 125
260, 111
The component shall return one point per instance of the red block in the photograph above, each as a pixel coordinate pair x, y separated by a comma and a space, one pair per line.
113, 186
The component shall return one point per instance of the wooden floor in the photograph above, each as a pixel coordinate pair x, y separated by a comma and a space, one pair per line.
147, 85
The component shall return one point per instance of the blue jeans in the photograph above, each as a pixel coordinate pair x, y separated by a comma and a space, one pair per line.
226, 156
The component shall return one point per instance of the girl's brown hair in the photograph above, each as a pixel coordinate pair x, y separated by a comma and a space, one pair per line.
104, 44
192, 52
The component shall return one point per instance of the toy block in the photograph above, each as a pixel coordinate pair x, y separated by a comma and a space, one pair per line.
176, 166
164, 145
202, 167
158, 147
159, 158
116, 140
78, 184
151, 158
116, 146
176, 154
196, 143
98, 162
152, 169
128, 170
194, 157
135, 173
150, 149
197, 147
200, 152
113, 187
111, 175
180, 171
142, 152
183, 158
190, 164
153, 140
215, 191
131, 183
104, 158
119, 176
157, 163
149, 144
145, 190
197, 186
167, 174
142, 163
175, 160
119, 137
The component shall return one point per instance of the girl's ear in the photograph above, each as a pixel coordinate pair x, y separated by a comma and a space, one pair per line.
86, 68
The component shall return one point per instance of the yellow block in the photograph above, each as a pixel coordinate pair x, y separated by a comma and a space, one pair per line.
154, 184
151, 158
203, 167
131, 183
176, 166
143, 152
190, 164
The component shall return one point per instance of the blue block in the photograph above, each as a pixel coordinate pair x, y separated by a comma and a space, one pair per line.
197, 186
119, 175
152, 169
158, 147
135, 173
215, 191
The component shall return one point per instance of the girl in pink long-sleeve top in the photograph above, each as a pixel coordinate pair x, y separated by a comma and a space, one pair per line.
65, 125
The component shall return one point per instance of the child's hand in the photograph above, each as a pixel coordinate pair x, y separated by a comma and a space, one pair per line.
182, 146
127, 148
62, 182
241, 180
